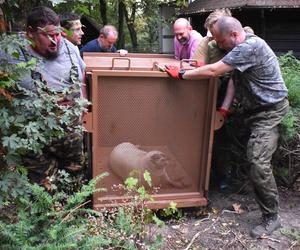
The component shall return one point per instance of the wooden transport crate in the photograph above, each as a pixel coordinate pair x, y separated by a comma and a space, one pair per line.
142, 119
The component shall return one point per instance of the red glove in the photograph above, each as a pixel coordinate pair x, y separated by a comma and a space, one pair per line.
173, 71
224, 112
197, 64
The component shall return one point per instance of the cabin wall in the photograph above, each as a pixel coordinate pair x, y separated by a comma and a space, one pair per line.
279, 27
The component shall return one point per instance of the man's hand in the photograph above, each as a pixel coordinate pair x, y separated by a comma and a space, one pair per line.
122, 52
224, 112
172, 71
197, 64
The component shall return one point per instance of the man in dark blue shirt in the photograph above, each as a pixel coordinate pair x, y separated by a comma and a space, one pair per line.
105, 42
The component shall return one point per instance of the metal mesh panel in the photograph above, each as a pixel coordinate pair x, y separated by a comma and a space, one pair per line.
157, 114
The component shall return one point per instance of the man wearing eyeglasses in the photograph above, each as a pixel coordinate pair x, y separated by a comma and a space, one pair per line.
60, 67
72, 28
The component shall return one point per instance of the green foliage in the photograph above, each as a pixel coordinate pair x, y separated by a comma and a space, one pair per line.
292, 233
288, 130
29, 120
171, 212
44, 221
40, 220
287, 157
290, 68
129, 225
12, 186
147, 178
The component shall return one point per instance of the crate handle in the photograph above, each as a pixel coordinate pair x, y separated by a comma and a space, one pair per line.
120, 58
186, 60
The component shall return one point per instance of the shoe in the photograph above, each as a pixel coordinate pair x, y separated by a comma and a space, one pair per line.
269, 224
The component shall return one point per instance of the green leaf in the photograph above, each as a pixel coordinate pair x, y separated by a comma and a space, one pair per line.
173, 205
147, 178
142, 191
11, 142
131, 182
157, 221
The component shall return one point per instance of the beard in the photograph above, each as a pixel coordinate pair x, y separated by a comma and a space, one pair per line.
51, 55
183, 40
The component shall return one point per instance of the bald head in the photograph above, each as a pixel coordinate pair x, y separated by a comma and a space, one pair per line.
227, 24
228, 32
182, 29
182, 23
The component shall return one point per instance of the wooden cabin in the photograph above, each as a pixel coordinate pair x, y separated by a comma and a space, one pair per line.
276, 21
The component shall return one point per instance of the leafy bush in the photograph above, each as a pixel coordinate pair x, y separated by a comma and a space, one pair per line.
130, 225
287, 158
44, 221
290, 68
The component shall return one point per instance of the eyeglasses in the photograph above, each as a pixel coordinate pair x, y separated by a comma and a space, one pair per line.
55, 31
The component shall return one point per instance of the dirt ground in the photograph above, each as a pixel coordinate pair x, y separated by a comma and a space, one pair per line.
227, 221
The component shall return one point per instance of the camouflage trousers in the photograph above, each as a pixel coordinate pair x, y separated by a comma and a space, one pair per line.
261, 145
65, 153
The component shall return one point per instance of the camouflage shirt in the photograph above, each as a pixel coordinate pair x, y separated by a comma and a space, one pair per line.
257, 76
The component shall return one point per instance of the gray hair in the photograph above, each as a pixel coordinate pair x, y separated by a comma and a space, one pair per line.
227, 24
107, 29
214, 16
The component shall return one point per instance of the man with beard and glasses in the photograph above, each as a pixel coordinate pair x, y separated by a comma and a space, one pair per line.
186, 39
59, 67
259, 87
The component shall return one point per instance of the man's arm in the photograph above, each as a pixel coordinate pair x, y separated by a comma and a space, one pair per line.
176, 49
210, 70
229, 95
224, 109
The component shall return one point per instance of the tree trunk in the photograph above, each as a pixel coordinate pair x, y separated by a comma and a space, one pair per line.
103, 11
2, 25
130, 25
121, 13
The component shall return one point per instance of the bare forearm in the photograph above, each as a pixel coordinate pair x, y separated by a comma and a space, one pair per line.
210, 70
229, 95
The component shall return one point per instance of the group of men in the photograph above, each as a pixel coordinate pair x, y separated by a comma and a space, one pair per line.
105, 42
255, 80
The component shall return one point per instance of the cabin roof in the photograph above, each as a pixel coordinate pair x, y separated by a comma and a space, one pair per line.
204, 6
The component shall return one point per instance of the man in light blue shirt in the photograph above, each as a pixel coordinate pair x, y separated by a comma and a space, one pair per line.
59, 67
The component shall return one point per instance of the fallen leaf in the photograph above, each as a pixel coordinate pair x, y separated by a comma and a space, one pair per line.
237, 208
215, 210
176, 226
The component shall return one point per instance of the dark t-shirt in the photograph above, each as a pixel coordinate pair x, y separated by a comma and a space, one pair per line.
257, 76
94, 46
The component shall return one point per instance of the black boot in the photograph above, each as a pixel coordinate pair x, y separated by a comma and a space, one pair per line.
269, 224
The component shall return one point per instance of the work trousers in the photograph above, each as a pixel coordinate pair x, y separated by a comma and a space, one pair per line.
65, 153
261, 145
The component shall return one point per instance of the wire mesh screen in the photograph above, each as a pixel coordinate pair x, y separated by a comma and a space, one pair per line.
154, 124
